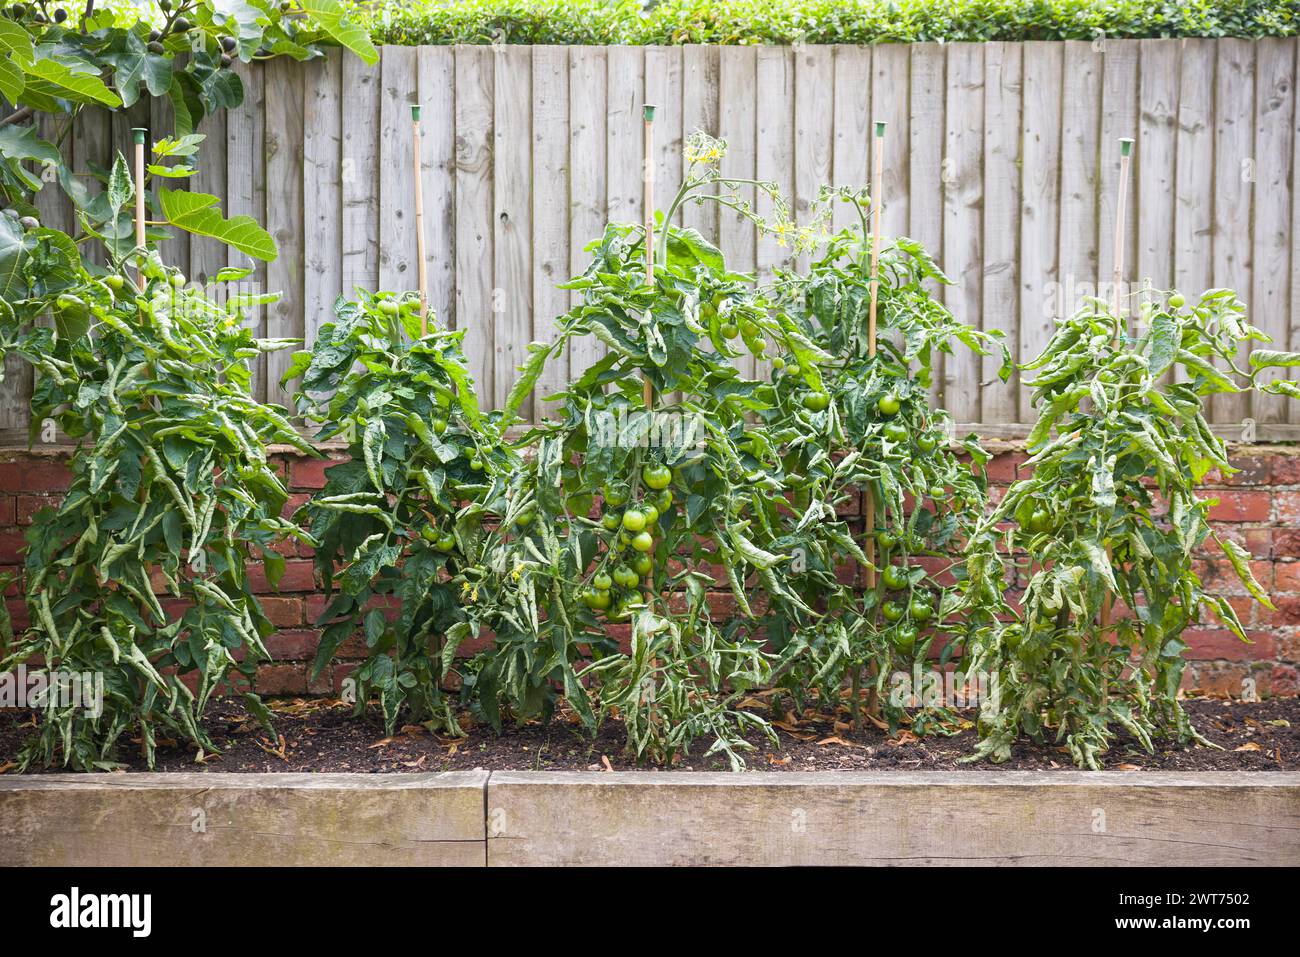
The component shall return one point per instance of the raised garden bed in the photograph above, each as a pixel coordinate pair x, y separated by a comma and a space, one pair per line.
321, 735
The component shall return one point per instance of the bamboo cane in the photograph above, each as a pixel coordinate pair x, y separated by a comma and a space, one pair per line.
422, 268
877, 177
648, 204
869, 499
138, 134
1121, 203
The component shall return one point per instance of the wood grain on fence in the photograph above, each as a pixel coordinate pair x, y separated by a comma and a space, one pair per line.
1000, 157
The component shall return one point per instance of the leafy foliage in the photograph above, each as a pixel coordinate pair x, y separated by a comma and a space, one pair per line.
399, 527
813, 21
1110, 516
140, 574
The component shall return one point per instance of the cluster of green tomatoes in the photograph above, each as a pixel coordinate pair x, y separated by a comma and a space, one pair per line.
614, 590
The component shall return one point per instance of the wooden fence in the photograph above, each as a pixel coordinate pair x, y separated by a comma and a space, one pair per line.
1001, 157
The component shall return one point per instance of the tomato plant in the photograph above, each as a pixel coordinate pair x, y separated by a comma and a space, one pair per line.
399, 526
1107, 529
172, 496
871, 429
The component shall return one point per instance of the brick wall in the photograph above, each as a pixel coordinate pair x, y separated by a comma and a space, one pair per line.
1259, 507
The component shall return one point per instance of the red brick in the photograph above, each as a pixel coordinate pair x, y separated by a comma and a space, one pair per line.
1242, 507
1286, 543
8, 510
309, 473
12, 544
1286, 611
45, 476
1286, 576
293, 644
1286, 469
29, 505
1251, 470
281, 679
1288, 508
1215, 644
282, 612
18, 617
298, 576
1004, 468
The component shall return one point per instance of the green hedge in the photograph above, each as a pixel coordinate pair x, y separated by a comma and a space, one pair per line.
412, 22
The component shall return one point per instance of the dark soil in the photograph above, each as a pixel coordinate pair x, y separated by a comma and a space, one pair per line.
322, 735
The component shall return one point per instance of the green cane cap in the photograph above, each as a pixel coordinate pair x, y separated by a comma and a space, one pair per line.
415, 112
649, 111
880, 128
139, 133
1125, 146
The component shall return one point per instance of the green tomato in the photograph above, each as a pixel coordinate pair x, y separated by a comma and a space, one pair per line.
609, 521
643, 542
793, 369
888, 404
524, 519
886, 540
664, 500
634, 520
938, 492
389, 307
603, 582
816, 401
905, 639
439, 426
896, 432
778, 363
614, 496
651, 513
625, 577
1177, 301
729, 330
114, 282
429, 534
600, 598
760, 347
926, 442
445, 543
643, 565
657, 476
1012, 636
476, 464
1039, 521
892, 611
921, 610
895, 577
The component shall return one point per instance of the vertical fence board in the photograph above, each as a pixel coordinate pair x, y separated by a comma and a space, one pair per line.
927, 168
1040, 202
209, 256
1154, 163
476, 302
1194, 175
851, 127
587, 94
890, 87
550, 240
1080, 127
663, 89
322, 152
360, 166
162, 125
1001, 226
92, 147
737, 122
1234, 159
512, 217
814, 104
1293, 312
284, 214
397, 91
1119, 118
1270, 291
246, 188
963, 227
774, 161
436, 86
701, 72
